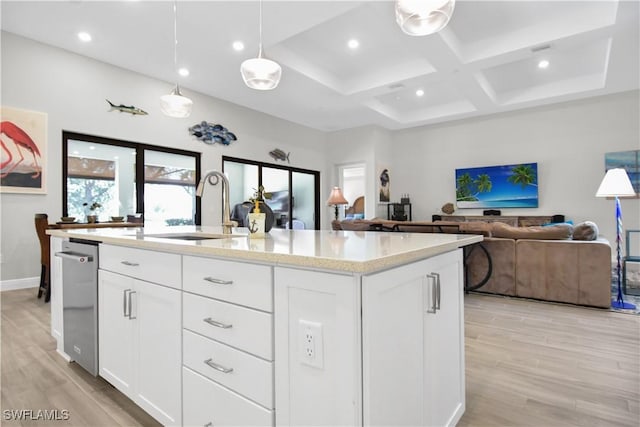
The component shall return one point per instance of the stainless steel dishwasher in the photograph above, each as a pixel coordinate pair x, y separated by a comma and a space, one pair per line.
80, 302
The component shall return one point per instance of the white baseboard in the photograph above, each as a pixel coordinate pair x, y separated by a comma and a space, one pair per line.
27, 282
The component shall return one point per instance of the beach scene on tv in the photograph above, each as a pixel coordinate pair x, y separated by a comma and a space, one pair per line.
506, 186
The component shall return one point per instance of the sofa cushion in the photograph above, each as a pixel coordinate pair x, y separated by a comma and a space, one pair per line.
555, 232
476, 227
587, 230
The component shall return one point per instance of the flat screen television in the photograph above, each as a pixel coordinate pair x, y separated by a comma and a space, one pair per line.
506, 186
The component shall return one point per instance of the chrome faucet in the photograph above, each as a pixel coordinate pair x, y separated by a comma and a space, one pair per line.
214, 177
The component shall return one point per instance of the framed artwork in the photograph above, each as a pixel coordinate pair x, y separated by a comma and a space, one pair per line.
627, 160
505, 186
23, 157
383, 184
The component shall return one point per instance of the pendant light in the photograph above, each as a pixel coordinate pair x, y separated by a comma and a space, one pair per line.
261, 73
423, 17
174, 104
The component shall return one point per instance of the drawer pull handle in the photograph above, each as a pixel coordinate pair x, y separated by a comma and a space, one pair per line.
130, 264
217, 324
209, 424
218, 281
217, 367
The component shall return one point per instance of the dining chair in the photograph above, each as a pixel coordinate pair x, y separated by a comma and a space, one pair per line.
42, 223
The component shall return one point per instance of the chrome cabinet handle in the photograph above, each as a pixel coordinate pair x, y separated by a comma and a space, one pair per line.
217, 367
217, 324
130, 264
433, 293
130, 310
437, 277
124, 302
218, 281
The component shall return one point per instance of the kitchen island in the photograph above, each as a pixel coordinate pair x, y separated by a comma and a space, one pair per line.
301, 327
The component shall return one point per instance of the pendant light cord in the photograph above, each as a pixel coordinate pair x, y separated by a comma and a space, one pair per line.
175, 36
260, 32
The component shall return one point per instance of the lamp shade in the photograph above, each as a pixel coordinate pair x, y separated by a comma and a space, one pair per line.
423, 17
336, 197
615, 183
176, 105
261, 73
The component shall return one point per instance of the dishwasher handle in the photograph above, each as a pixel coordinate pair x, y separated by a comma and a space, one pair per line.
75, 256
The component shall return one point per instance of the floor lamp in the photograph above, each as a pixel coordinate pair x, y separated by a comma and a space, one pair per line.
616, 184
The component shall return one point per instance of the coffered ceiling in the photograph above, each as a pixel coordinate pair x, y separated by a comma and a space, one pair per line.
485, 61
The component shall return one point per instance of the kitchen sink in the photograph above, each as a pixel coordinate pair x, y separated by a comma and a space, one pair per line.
191, 236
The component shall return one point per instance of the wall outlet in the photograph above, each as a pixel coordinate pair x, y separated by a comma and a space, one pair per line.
310, 346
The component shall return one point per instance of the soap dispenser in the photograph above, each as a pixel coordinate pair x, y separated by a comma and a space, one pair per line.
256, 221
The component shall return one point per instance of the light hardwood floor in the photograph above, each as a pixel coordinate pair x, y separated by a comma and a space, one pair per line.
528, 364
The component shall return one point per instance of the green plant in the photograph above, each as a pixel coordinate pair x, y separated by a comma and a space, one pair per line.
259, 195
93, 207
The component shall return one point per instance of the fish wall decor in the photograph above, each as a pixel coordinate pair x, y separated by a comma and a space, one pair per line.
278, 154
211, 134
127, 109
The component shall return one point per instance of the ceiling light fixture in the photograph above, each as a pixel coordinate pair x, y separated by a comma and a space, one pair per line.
543, 64
84, 36
261, 73
174, 104
353, 44
238, 46
423, 17
419, 92
183, 72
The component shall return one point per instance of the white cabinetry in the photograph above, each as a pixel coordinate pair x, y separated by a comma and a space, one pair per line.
139, 326
413, 344
227, 343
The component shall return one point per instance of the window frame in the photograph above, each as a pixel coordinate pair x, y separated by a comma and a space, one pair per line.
140, 164
290, 171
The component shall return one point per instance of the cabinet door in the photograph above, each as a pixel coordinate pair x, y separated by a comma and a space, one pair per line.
413, 357
444, 345
115, 330
158, 350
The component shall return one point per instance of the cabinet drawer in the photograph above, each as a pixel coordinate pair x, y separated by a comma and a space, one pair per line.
250, 376
240, 283
207, 403
151, 266
240, 327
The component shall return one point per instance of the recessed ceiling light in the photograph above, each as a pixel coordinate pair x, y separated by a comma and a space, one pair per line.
91, 147
353, 44
84, 36
419, 92
238, 46
543, 64
76, 152
183, 72
116, 157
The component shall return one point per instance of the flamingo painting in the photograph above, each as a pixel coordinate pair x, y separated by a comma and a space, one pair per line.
21, 140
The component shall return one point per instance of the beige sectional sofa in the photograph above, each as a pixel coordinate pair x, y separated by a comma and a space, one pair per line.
527, 260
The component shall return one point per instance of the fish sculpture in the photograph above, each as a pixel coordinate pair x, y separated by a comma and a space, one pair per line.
127, 109
278, 154
211, 134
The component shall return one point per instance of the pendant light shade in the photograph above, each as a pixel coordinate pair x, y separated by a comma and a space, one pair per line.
175, 104
423, 17
261, 73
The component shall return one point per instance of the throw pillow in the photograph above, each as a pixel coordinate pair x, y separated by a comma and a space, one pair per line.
587, 230
555, 232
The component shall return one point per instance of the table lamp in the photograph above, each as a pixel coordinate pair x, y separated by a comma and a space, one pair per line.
616, 184
336, 198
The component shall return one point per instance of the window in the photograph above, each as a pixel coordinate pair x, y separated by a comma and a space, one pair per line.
293, 193
109, 173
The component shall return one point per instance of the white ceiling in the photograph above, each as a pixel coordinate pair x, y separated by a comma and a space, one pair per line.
483, 62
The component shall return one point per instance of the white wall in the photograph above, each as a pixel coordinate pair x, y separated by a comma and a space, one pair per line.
72, 89
567, 140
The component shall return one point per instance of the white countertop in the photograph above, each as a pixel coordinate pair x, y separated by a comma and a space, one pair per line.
342, 251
